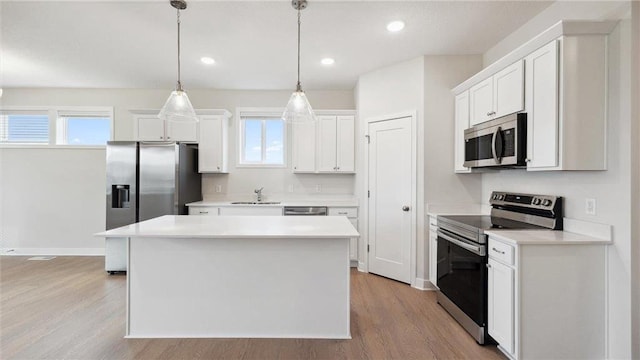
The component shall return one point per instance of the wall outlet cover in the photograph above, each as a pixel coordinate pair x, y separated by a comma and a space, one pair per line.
318, 188
218, 188
590, 206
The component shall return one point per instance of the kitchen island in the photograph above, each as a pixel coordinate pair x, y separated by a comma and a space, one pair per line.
238, 276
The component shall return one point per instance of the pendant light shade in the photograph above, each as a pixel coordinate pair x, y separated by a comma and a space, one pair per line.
298, 109
178, 107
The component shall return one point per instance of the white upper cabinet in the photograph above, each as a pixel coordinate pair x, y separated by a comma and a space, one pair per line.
304, 147
345, 147
327, 143
566, 104
499, 95
148, 127
328, 146
461, 123
559, 79
212, 145
542, 107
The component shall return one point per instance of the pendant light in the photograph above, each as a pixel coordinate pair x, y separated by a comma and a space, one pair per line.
298, 109
178, 107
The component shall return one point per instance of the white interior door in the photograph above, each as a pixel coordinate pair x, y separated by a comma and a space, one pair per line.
390, 192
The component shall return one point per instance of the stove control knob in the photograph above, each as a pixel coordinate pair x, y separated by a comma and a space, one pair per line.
546, 202
536, 201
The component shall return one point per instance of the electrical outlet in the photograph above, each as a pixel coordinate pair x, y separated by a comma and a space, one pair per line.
318, 188
590, 206
218, 188
290, 188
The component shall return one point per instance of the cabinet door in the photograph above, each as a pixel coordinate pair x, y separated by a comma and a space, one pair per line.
501, 304
461, 123
345, 146
508, 90
149, 128
212, 146
481, 102
542, 107
186, 131
304, 147
433, 257
327, 143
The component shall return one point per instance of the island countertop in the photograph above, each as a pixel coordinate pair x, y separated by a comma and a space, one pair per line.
184, 226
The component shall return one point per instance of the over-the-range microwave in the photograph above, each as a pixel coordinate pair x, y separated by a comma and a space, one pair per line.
498, 142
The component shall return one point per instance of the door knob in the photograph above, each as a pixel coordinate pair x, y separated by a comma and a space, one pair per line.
405, 208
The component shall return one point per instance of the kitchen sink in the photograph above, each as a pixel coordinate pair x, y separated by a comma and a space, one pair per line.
255, 202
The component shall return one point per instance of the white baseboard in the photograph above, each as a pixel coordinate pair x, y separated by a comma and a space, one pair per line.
52, 251
423, 284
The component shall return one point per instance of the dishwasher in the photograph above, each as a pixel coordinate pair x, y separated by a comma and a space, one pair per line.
305, 211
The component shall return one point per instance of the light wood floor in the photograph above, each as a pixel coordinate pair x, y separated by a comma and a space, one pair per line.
69, 308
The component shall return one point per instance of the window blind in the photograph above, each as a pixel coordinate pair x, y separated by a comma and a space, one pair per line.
24, 128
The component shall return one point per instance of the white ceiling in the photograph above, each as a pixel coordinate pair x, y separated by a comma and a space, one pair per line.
127, 44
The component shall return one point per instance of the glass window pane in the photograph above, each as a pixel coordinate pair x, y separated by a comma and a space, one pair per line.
252, 141
88, 130
24, 128
274, 142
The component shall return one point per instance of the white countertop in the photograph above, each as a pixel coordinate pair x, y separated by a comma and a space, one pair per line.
184, 226
328, 203
544, 237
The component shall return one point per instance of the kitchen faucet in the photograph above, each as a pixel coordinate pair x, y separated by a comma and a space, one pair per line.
259, 193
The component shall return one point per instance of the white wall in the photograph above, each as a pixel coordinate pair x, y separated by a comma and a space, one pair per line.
384, 93
611, 188
52, 200
559, 10
635, 181
422, 85
21, 189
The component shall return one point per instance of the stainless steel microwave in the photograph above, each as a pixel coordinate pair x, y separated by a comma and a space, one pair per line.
498, 142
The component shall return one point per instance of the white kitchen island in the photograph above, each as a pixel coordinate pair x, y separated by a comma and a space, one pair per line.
238, 276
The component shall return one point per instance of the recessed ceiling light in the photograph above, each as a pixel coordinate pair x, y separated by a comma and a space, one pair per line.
327, 61
207, 60
395, 26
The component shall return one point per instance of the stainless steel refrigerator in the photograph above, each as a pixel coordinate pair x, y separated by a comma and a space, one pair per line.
146, 180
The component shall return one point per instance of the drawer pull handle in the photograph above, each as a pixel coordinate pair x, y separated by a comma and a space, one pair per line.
342, 213
498, 251
488, 266
204, 212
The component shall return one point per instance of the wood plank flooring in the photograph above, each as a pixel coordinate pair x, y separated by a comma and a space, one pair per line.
69, 308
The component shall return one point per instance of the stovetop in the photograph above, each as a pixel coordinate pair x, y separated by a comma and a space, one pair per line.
487, 222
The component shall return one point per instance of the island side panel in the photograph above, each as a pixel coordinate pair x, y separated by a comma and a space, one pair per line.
256, 287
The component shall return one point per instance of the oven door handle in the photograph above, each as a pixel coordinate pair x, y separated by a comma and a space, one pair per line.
494, 150
478, 250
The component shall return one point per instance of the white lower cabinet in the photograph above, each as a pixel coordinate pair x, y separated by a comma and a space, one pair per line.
352, 214
433, 250
501, 301
547, 301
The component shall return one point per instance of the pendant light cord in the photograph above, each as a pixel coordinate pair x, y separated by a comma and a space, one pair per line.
179, 85
298, 86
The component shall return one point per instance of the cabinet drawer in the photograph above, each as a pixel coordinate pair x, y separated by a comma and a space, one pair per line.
501, 252
348, 212
203, 210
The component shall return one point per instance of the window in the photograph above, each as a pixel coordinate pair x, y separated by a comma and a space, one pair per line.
24, 127
262, 140
83, 129
79, 126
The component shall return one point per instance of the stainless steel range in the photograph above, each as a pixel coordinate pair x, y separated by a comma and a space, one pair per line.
462, 253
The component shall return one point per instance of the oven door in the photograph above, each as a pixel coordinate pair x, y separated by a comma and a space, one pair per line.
499, 142
462, 274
